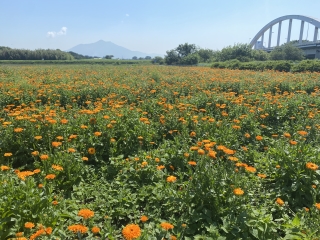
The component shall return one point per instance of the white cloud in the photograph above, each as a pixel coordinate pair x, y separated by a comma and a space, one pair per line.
127, 15
63, 31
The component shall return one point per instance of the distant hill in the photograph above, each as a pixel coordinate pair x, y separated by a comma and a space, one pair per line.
103, 48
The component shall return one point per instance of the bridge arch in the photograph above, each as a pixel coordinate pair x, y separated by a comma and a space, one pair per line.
260, 34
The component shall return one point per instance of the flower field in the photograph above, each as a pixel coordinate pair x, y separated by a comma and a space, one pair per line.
157, 152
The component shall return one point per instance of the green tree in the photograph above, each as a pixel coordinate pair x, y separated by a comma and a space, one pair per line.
287, 51
108, 56
205, 55
184, 50
172, 57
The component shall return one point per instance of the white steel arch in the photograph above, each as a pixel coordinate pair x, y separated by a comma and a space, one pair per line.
313, 21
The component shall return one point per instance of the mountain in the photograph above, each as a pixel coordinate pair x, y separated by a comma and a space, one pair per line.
103, 48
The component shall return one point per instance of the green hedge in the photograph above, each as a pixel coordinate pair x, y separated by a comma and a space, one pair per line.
282, 66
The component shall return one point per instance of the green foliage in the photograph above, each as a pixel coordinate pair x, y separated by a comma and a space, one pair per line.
108, 56
158, 60
206, 55
184, 54
7, 53
287, 51
148, 123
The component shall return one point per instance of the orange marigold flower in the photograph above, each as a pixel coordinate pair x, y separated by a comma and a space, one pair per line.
64, 121
233, 159
86, 213
201, 152
91, 151
131, 231
314, 186
18, 130
312, 166
59, 137
247, 135
212, 154
37, 234
278, 166
40, 185
183, 225
84, 159
50, 176
144, 163
97, 134
303, 133
193, 134
261, 175
287, 135
36, 170
57, 167
48, 230
171, 179
56, 144
78, 228
173, 237
317, 206
29, 225
250, 169
44, 157
293, 142
166, 226
38, 137
22, 175
144, 218
55, 202
259, 138
71, 150
35, 153
238, 191
186, 155
160, 167
4, 168
279, 201
19, 234
95, 230
194, 148
192, 163
7, 154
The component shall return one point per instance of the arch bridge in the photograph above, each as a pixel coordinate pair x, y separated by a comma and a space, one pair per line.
310, 48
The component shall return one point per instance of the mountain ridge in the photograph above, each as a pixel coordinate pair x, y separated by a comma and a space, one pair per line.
102, 48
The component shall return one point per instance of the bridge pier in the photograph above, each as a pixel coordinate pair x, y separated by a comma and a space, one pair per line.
301, 32
279, 33
289, 30
270, 35
315, 36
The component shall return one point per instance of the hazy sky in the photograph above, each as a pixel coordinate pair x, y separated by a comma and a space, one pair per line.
150, 26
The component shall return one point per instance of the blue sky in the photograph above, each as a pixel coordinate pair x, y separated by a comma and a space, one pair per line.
148, 26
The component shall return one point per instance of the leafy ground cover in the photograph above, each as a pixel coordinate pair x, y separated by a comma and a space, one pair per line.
152, 152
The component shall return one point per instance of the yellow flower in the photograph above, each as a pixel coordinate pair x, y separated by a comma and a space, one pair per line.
7, 154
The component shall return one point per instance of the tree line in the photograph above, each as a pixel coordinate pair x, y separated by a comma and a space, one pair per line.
190, 54
7, 53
